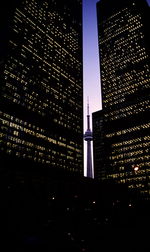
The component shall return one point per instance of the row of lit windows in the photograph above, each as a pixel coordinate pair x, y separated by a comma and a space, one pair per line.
124, 17
122, 60
132, 141
47, 36
141, 79
130, 147
116, 115
115, 33
141, 160
114, 18
129, 130
127, 179
126, 47
140, 172
50, 65
64, 121
38, 106
122, 56
124, 155
132, 160
128, 76
19, 126
138, 186
66, 162
31, 150
56, 30
120, 97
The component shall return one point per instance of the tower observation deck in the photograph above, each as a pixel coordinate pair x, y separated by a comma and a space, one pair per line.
88, 136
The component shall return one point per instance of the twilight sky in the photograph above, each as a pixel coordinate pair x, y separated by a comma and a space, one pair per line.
91, 75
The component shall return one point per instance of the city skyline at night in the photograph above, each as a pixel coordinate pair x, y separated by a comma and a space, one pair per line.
91, 73
51, 104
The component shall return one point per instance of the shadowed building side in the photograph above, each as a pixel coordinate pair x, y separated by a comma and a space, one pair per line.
99, 149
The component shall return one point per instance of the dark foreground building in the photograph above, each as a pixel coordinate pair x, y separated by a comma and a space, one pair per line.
65, 212
124, 47
41, 110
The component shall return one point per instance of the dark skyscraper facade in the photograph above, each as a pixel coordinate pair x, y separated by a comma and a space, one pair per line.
124, 46
41, 83
98, 146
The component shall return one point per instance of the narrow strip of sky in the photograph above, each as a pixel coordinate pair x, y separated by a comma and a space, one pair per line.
91, 75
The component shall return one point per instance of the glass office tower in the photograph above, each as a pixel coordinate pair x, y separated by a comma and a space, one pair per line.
41, 83
124, 47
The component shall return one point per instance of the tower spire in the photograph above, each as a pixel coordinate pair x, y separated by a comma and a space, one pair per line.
88, 115
88, 136
87, 105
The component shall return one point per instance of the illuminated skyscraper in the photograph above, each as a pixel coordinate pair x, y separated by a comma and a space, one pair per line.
41, 83
124, 46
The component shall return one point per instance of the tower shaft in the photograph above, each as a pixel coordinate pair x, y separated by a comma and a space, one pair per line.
89, 160
88, 136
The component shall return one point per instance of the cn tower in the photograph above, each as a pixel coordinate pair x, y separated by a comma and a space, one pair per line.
88, 136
